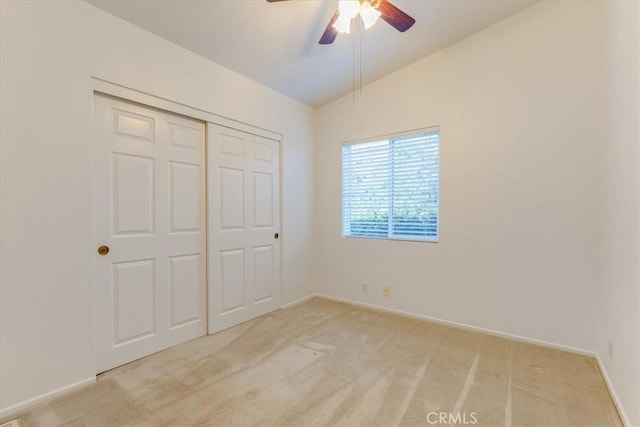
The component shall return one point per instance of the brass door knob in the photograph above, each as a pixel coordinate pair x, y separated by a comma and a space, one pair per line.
103, 250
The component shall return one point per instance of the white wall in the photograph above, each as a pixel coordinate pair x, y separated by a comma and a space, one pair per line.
519, 106
49, 52
619, 293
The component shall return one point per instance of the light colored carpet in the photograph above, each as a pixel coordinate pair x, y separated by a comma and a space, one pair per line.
326, 363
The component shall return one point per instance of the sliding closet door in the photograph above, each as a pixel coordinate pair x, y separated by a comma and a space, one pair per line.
149, 228
243, 223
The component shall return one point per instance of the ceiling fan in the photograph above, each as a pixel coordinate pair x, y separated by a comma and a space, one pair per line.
369, 11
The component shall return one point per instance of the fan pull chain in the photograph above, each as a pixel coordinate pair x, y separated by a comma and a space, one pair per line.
360, 36
353, 71
356, 76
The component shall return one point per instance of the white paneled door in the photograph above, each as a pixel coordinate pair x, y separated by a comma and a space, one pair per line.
244, 221
149, 204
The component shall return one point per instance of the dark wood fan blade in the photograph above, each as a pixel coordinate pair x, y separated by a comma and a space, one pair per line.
395, 17
330, 33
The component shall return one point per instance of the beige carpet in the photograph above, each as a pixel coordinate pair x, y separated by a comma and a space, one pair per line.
326, 363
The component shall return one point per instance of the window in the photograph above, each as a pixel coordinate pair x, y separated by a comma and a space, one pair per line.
390, 187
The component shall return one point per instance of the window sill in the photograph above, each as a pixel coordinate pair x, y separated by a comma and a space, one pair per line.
397, 239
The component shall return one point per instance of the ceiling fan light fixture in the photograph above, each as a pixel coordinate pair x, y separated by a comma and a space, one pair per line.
343, 24
368, 14
349, 8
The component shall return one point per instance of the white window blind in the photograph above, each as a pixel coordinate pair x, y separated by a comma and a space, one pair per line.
390, 187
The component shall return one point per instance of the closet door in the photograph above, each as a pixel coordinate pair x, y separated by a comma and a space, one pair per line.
244, 219
149, 228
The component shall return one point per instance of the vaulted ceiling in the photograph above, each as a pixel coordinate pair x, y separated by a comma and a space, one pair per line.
276, 44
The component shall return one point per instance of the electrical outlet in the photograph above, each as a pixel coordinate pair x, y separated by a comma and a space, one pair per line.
364, 287
610, 349
386, 291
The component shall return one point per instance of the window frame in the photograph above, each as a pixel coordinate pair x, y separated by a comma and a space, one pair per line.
389, 137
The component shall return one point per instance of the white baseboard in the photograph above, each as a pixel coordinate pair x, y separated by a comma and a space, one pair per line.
298, 301
612, 391
14, 410
462, 326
